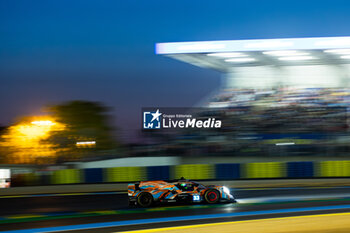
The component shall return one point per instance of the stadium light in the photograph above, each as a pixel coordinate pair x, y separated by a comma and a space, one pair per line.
296, 58
283, 53
227, 55
239, 60
86, 143
345, 57
43, 123
285, 144
338, 51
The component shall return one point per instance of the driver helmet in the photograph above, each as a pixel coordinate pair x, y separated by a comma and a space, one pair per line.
183, 185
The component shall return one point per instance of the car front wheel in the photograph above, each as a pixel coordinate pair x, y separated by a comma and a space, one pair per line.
212, 196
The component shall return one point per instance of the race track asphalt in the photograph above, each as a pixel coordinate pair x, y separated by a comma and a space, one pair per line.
49, 211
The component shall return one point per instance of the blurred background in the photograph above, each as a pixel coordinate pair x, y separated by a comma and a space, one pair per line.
74, 80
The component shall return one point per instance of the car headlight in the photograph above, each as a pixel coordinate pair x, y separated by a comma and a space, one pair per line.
226, 190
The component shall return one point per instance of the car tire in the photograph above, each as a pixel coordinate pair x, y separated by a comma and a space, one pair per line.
212, 196
145, 199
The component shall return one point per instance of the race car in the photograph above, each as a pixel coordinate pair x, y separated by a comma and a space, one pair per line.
148, 193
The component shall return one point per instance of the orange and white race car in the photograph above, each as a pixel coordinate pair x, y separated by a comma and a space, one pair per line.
147, 193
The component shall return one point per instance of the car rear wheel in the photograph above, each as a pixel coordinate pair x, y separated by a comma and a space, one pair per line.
212, 196
145, 199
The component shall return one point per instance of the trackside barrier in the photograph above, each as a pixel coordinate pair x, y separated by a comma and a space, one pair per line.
231, 171
93, 175
31, 179
264, 170
125, 174
333, 169
300, 169
67, 176
45, 179
158, 173
194, 171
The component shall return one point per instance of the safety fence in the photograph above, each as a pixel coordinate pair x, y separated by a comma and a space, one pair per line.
231, 171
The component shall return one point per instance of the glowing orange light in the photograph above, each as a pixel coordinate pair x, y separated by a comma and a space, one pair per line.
28, 141
41, 123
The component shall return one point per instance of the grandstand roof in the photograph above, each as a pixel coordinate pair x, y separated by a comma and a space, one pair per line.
227, 54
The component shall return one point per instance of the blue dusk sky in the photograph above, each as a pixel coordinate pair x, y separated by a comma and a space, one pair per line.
55, 51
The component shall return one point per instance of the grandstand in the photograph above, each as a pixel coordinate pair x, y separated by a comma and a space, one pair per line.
291, 92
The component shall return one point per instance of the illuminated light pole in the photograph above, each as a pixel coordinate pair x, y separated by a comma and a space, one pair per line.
86, 144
